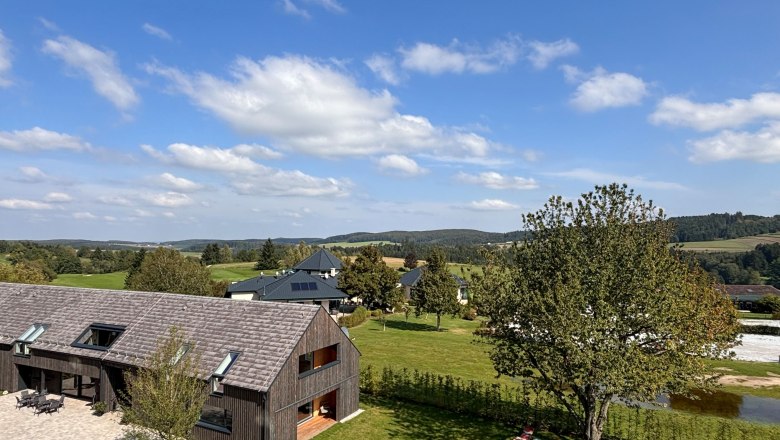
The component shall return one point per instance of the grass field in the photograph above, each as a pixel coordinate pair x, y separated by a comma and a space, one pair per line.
347, 244
235, 271
742, 244
114, 280
751, 315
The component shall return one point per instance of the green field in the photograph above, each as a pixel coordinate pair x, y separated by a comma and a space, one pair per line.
235, 271
114, 280
347, 244
742, 244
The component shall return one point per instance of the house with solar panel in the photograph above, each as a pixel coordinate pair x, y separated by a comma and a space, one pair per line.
313, 281
410, 279
274, 370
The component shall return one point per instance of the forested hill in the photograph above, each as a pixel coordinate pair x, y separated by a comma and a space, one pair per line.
438, 236
723, 226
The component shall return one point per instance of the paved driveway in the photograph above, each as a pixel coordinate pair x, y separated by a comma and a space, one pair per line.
73, 422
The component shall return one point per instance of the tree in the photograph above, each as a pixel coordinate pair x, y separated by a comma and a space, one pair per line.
165, 395
135, 266
371, 279
267, 258
166, 270
295, 254
595, 302
247, 255
774, 273
437, 290
225, 254
410, 261
770, 303
24, 273
210, 254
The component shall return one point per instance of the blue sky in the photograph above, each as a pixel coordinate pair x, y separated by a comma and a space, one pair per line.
305, 118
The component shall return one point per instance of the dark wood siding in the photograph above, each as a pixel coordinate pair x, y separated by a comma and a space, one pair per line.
289, 391
8, 375
245, 406
63, 363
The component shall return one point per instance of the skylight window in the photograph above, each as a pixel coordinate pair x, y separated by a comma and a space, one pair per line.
297, 287
99, 336
21, 346
221, 371
184, 349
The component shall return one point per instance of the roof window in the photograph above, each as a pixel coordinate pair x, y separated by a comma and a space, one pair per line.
21, 346
221, 371
99, 336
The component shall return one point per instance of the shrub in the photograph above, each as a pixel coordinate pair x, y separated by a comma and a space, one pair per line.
760, 330
99, 408
357, 317
469, 313
376, 313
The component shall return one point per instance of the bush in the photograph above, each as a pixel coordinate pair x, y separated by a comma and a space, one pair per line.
376, 313
99, 408
357, 317
760, 330
468, 313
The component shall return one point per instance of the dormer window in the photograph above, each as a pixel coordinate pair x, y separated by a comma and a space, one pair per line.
221, 371
99, 336
22, 345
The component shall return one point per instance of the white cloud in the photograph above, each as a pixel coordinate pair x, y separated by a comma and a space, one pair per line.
143, 213
542, 54
168, 214
5, 60
57, 197
170, 199
257, 151
495, 180
397, 164
329, 5
293, 9
599, 178
109, 218
459, 58
84, 215
205, 158
24, 204
48, 24
31, 175
115, 200
384, 67
761, 146
600, 89
531, 155
170, 181
316, 109
156, 31
491, 205
101, 67
37, 138
682, 112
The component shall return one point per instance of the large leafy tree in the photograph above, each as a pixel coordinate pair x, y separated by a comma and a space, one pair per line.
268, 258
210, 254
437, 290
370, 278
23, 272
165, 395
410, 261
295, 254
594, 301
167, 270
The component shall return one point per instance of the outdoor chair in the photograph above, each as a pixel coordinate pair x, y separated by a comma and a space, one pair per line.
20, 402
25, 394
55, 405
42, 405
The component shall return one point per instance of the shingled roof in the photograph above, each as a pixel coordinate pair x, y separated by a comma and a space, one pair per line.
321, 261
412, 277
265, 333
751, 289
285, 289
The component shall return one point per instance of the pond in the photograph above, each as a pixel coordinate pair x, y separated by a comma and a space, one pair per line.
729, 405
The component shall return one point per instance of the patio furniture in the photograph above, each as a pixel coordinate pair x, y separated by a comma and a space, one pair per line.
20, 402
42, 405
55, 405
25, 394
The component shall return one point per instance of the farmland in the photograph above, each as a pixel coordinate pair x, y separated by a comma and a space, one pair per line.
743, 244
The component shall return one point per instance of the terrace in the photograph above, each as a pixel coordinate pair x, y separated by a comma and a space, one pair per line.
74, 421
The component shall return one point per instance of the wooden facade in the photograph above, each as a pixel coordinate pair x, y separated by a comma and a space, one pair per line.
256, 415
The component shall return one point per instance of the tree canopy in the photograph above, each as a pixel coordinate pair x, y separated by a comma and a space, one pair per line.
295, 254
437, 291
370, 278
268, 258
167, 270
165, 394
594, 301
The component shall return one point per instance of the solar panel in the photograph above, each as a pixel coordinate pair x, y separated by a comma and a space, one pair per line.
312, 286
295, 286
304, 286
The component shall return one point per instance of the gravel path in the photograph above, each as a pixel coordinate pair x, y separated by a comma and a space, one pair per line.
761, 348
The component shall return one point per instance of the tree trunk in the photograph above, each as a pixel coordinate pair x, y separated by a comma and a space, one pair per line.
595, 417
438, 321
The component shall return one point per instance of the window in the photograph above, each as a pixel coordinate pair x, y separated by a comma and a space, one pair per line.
221, 371
180, 353
22, 345
99, 336
214, 417
322, 358
305, 412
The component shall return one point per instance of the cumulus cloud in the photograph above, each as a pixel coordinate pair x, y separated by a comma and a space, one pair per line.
170, 199
460, 58
495, 180
84, 215
37, 139
491, 205
249, 177
168, 180
31, 175
314, 108
600, 178
5, 60
24, 204
398, 164
156, 31
101, 67
115, 200
682, 112
760, 146
257, 151
600, 89
383, 66
331, 6
543, 53
57, 197
291, 8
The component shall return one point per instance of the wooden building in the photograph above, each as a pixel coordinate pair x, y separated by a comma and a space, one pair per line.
274, 369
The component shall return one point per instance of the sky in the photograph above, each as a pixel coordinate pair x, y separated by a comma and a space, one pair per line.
156, 121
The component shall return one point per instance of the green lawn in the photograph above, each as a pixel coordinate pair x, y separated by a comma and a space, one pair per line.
742, 244
747, 368
385, 419
751, 315
235, 271
114, 280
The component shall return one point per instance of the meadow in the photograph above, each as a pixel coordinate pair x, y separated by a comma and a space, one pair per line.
743, 244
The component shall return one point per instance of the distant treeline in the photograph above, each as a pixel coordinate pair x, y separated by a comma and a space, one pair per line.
754, 267
723, 226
